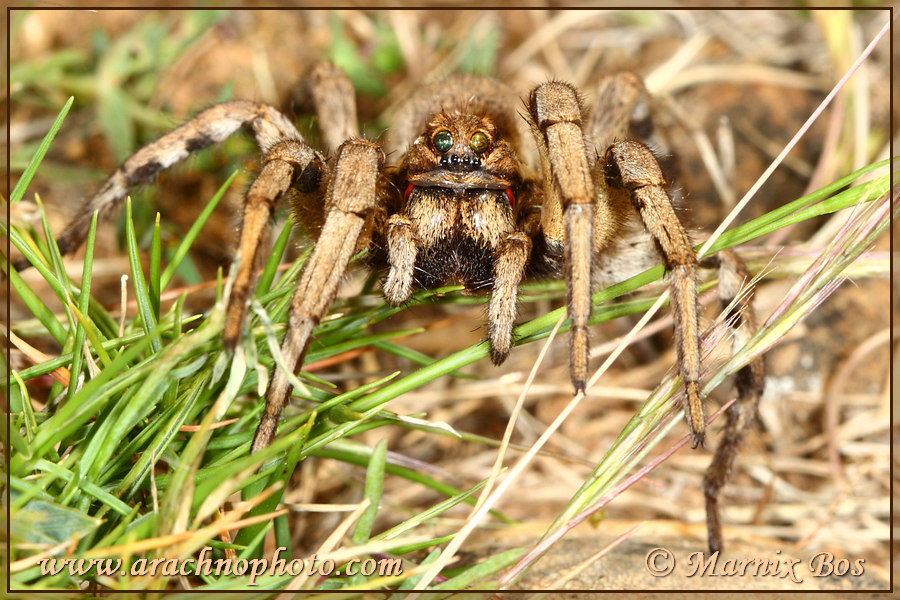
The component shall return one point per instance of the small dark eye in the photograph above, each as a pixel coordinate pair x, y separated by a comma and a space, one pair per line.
443, 140
479, 142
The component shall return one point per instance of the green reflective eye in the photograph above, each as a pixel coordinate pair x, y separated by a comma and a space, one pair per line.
443, 140
479, 142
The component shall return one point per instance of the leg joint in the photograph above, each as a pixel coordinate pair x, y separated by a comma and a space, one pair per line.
555, 102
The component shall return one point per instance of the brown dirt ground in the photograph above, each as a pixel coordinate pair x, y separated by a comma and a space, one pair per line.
788, 492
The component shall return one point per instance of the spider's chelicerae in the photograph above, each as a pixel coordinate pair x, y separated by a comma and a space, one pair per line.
480, 195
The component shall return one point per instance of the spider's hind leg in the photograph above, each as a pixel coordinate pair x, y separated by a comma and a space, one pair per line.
208, 127
633, 173
333, 100
749, 382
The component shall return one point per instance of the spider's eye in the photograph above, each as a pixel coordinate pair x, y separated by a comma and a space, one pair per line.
479, 142
443, 140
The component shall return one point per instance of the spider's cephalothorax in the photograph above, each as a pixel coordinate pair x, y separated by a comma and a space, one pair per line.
479, 196
459, 184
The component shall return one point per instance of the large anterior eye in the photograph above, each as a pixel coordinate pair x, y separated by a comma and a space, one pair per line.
479, 142
443, 140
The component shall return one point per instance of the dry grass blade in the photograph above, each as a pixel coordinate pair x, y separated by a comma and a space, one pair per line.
790, 145
488, 497
143, 451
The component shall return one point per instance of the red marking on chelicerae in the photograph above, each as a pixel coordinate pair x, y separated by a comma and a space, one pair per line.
408, 191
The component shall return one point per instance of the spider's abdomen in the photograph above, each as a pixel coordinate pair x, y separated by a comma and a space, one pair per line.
459, 231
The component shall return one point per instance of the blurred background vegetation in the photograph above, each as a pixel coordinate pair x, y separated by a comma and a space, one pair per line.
733, 87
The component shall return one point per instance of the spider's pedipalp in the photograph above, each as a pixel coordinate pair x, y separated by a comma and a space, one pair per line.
512, 257
351, 198
402, 251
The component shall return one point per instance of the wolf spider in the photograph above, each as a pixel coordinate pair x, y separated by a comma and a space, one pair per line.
463, 205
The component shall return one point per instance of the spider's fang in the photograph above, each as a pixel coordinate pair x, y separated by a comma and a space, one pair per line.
512, 197
408, 191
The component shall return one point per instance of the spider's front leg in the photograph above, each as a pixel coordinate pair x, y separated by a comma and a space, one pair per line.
288, 164
568, 207
632, 168
351, 197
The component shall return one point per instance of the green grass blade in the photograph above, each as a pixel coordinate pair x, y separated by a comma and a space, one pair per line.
483, 570
154, 280
283, 475
78, 410
38, 308
268, 274
193, 232
354, 454
776, 219
373, 489
19, 191
83, 306
145, 307
97, 344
